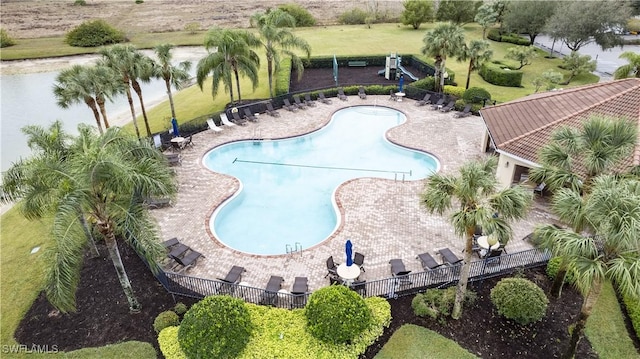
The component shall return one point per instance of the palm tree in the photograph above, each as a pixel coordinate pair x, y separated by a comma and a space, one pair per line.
477, 53
612, 253
104, 176
230, 51
632, 69
143, 69
277, 39
88, 84
443, 41
172, 75
129, 64
478, 202
572, 159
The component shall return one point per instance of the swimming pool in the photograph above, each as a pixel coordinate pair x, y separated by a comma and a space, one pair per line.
287, 186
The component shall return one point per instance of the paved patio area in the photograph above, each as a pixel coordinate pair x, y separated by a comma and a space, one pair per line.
383, 218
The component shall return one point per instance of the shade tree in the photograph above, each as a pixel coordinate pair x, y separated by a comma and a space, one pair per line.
443, 41
477, 52
577, 64
172, 75
458, 12
416, 12
528, 17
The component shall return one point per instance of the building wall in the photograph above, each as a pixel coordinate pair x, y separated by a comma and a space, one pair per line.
506, 170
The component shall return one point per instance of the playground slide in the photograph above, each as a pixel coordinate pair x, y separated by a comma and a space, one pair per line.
404, 71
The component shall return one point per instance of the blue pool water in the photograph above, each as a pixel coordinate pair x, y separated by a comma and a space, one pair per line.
288, 185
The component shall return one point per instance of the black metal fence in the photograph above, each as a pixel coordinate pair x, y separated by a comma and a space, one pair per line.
442, 277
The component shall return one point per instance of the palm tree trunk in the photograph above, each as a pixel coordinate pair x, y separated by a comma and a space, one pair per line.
235, 71
461, 289
92, 105
558, 281
173, 109
442, 70
270, 73
133, 111
87, 232
469, 73
114, 253
103, 110
585, 312
138, 90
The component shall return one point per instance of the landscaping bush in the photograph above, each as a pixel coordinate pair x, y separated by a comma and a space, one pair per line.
283, 77
165, 319
427, 84
216, 327
454, 90
519, 299
79, 3
633, 309
476, 95
94, 33
180, 308
169, 345
515, 39
494, 34
495, 74
5, 39
552, 269
438, 303
354, 16
302, 16
336, 314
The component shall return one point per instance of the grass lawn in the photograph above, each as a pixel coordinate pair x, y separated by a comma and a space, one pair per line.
414, 342
606, 330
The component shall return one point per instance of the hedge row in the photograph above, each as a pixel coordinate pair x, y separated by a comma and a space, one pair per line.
497, 75
495, 35
633, 309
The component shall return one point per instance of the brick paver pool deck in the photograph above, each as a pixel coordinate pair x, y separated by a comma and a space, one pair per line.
383, 218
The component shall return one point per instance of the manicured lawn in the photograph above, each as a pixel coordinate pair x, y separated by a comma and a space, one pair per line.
414, 342
606, 330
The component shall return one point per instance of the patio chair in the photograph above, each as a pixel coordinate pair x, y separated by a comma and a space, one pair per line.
174, 159
449, 257
308, 101
493, 258
155, 203
225, 120
361, 93
427, 99
438, 104
323, 99
237, 120
358, 259
448, 107
332, 268
188, 142
178, 250
189, 260
393, 96
341, 94
170, 242
249, 116
428, 262
335, 280
289, 106
270, 295
466, 111
212, 126
398, 268
271, 111
539, 189
298, 103
300, 285
234, 275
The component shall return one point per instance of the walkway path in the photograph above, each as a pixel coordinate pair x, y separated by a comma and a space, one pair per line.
383, 218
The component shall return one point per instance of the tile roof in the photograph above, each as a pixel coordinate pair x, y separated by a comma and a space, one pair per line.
521, 127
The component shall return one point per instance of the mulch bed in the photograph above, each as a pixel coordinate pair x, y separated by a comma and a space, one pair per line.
103, 317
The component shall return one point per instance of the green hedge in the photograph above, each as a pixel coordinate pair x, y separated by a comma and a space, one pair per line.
633, 309
496, 35
283, 77
495, 74
476, 95
454, 91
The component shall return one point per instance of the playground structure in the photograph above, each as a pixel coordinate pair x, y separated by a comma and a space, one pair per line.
393, 69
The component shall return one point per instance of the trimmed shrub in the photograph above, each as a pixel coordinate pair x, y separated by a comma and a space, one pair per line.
497, 75
218, 326
454, 90
633, 309
427, 84
552, 269
519, 299
494, 34
165, 319
476, 95
94, 33
515, 39
283, 77
354, 16
302, 16
5, 39
79, 3
168, 343
180, 308
336, 314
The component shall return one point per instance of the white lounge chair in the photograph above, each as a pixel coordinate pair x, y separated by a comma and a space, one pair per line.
225, 120
212, 126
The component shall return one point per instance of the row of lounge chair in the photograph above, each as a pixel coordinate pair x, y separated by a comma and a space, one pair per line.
439, 104
182, 256
270, 295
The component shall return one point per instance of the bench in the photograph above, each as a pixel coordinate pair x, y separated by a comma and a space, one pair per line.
357, 63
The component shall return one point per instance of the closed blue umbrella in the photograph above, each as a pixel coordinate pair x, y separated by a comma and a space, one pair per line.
349, 249
174, 123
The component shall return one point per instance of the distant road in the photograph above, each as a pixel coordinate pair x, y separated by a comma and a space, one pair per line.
607, 61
